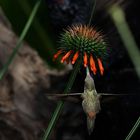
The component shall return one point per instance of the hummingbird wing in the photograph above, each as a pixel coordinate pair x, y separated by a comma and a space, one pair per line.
113, 96
71, 97
76, 97
116, 94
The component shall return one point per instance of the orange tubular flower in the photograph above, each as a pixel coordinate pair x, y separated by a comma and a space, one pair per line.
75, 57
57, 54
66, 56
85, 59
92, 64
100, 66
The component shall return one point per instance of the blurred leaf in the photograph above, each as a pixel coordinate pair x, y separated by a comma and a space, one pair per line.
21, 38
118, 17
40, 36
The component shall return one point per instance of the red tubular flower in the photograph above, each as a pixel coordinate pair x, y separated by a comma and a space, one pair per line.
66, 56
57, 54
75, 57
100, 66
85, 59
92, 64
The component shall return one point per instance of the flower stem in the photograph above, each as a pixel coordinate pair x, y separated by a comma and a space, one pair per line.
22, 36
61, 103
92, 12
133, 130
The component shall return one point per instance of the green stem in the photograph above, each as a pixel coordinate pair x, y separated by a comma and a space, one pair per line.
136, 125
44, 37
92, 12
22, 36
61, 103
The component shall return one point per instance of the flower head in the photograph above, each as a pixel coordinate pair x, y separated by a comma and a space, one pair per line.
81, 41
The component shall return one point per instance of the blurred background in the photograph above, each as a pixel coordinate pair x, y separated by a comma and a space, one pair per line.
24, 109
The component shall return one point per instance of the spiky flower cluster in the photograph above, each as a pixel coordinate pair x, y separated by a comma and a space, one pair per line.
81, 41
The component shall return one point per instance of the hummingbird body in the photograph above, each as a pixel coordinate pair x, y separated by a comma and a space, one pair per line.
91, 102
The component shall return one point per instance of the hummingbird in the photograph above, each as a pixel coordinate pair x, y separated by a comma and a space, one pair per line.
90, 100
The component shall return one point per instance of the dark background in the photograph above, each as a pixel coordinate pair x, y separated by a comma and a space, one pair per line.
118, 114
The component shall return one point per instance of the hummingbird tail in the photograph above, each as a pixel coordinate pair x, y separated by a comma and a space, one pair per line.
90, 124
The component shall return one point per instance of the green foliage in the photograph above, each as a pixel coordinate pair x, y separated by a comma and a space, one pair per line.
118, 17
21, 38
134, 128
41, 34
